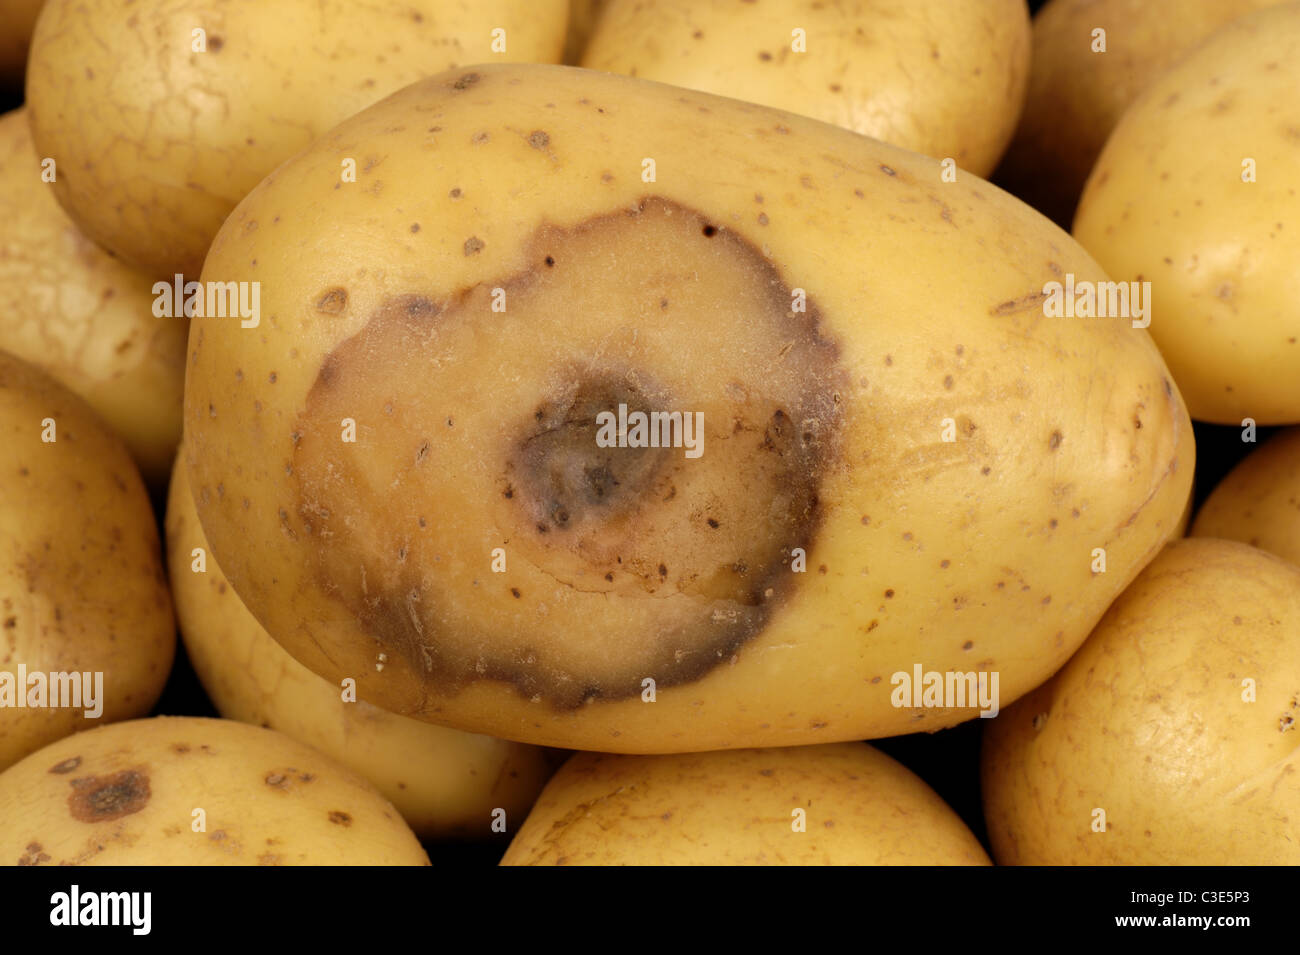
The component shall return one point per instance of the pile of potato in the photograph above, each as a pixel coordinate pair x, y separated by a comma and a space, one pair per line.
585, 460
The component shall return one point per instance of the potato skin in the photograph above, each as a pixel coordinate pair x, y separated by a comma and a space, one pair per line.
1258, 503
1076, 96
83, 317
155, 148
737, 808
1069, 435
81, 580
126, 795
1167, 203
1147, 721
943, 79
445, 783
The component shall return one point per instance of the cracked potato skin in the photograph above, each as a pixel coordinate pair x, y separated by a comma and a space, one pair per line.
945, 79
156, 143
126, 794
82, 586
373, 559
444, 782
737, 808
1147, 722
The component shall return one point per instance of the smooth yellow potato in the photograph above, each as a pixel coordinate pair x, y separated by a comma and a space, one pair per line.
1258, 503
836, 804
17, 20
130, 794
82, 589
1167, 204
823, 428
445, 783
1150, 723
1077, 93
941, 78
156, 142
583, 16
83, 317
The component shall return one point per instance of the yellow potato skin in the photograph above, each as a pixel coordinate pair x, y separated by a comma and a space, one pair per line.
1147, 721
738, 808
1258, 503
82, 586
155, 148
82, 316
127, 794
943, 79
1069, 436
1077, 96
445, 783
17, 20
1167, 203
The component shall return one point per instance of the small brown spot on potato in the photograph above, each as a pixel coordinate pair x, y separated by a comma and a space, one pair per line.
67, 766
340, 818
105, 798
538, 139
473, 244
332, 301
1054, 441
465, 81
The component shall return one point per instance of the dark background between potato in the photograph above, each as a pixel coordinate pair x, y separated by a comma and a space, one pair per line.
948, 760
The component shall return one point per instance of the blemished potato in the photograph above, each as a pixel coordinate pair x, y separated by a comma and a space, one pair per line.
1195, 193
1258, 503
17, 20
192, 791
1173, 727
898, 460
1078, 92
445, 783
86, 629
836, 804
155, 146
82, 316
941, 78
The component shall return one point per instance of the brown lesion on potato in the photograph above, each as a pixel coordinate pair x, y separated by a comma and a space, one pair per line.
105, 798
691, 555
66, 766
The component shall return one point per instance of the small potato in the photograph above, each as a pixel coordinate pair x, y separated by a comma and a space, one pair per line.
1259, 501
82, 316
82, 589
445, 783
1170, 737
836, 804
1078, 92
162, 117
189, 791
937, 77
1196, 194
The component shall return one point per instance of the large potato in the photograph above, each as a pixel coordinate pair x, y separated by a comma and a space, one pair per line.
1258, 503
1169, 203
946, 79
840, 804
69, 307
1176, 719
444, 782
189, 791
82, 589
403, 481
157, 142
1077, 92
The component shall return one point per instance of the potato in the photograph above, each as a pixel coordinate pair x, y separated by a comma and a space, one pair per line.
942, 78
444, 782
836, 804
1195, 193
156, 142
86, 630
83, 317
1078, 93
190, 791
400, 470
583, 15
17, 20
1258, 503
1176, 719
